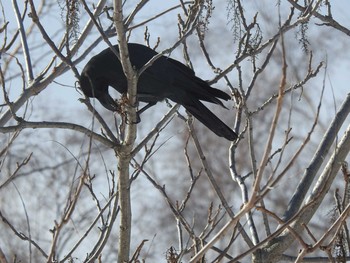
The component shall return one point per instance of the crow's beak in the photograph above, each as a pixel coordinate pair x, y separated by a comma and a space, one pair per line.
108, 102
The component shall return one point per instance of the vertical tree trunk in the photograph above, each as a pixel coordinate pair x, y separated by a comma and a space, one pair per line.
130, 136
125, 208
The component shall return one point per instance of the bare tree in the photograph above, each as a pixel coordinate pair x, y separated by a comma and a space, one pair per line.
81, 184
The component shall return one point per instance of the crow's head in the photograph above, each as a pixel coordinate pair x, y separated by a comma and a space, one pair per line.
97, 88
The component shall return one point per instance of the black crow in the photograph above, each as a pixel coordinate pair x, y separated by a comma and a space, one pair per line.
165, 78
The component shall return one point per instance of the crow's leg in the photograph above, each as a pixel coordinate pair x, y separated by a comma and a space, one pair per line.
149, 105
138, 113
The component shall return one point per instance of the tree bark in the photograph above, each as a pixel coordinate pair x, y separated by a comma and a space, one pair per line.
130, 135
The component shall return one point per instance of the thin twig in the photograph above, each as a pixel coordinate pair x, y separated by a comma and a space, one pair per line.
57, 125
30, 75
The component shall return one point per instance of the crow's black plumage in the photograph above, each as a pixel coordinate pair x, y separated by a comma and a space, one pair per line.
166, 78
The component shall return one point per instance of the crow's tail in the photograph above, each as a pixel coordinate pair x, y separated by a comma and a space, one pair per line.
205, 116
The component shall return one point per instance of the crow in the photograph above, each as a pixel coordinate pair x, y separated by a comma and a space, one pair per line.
166, 78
